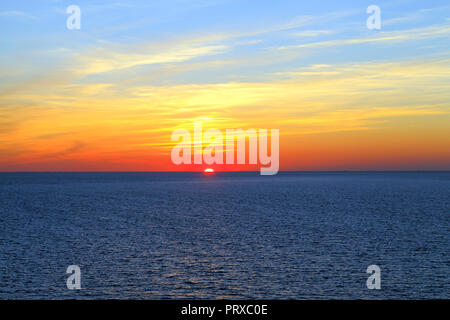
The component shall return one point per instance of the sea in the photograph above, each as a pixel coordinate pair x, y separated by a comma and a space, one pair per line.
235, 235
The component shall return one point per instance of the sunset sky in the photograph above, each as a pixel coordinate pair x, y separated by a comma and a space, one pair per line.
107, 97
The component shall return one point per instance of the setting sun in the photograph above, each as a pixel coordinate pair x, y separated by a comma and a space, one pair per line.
208, 171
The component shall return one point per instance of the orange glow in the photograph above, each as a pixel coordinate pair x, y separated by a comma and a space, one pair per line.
209, 171
331, 123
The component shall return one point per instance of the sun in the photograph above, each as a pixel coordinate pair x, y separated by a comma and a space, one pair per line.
208, 171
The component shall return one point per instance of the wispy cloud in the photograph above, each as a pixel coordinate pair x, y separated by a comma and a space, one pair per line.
312, 33
20, 14
103, 60
388, 36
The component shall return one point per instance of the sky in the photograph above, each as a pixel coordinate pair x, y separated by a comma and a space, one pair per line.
107, 96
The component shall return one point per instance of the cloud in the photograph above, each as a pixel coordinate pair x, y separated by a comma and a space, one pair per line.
74, 148
312, 33
104, 60
118, 57
17, 14
52, 135
388, 36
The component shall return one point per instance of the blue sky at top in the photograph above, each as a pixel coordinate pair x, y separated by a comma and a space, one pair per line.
252, 39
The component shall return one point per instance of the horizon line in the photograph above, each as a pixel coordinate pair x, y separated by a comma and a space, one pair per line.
232, 171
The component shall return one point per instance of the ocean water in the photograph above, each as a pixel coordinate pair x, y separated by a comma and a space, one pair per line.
233, 235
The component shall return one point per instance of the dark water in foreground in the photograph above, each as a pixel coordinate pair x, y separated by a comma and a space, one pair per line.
183, 235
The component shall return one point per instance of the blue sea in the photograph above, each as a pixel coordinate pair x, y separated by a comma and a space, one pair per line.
295, 235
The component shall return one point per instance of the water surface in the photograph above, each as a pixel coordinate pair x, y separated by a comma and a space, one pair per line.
234, 235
